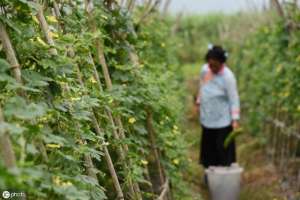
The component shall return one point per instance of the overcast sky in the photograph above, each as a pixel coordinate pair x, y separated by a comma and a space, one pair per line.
208, 6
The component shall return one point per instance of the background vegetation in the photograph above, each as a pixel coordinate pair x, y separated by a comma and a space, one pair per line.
97, 99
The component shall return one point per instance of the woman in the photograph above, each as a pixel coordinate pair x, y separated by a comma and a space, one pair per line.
219, 105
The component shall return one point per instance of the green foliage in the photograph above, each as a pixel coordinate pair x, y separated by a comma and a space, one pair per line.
263, 55
54, 116
268, 73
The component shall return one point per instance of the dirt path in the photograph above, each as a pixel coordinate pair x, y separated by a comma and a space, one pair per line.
259, 181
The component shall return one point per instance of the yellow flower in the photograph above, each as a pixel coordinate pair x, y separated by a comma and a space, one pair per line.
169, 143
175, 132
41, 126
92, 80
54, 146
56, 180
35, 19
176, 161
105, 143
110, 101
41, 41
104, 17
175, 127
53, 35
298, 58
132, 120
43, 119
162, 45
285, 94
52, 19
75, 98
68, 183
279, 68
144, 162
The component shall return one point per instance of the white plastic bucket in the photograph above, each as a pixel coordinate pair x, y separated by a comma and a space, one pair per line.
224, 182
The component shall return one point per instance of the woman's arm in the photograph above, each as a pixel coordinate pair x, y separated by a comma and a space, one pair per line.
201, 76
197, 100
233, 96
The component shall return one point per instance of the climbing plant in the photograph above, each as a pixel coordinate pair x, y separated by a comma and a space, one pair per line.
90, 101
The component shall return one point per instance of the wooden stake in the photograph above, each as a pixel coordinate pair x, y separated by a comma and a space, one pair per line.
12, 59
10, 53
45, 28
122, 149
148, 10
130, 5
50, 41
166, 6
275, 4
154, 150
97, 128
101, 59
7, 152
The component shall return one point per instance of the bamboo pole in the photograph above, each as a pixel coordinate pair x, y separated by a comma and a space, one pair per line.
130, 5
134, 58
276, 5
165, 189
106, 152
99, 48
10, 53
45, 28
121, 152
102, 61
6, 146
90, 168
148, 10
176, 25
122, 149
99, 132
166, 6
88, 160
7, 152
108, 160
12, 59
154, 150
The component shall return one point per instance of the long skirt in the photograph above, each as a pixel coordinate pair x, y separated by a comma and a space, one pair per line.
212, 150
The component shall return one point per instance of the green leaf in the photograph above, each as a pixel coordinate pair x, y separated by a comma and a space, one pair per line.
86, 179
96, 154
4, 65
12, 128
34, 79
30, 4
51, 138
11, 24
30, 148
18, 108
71, 192
98, 193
